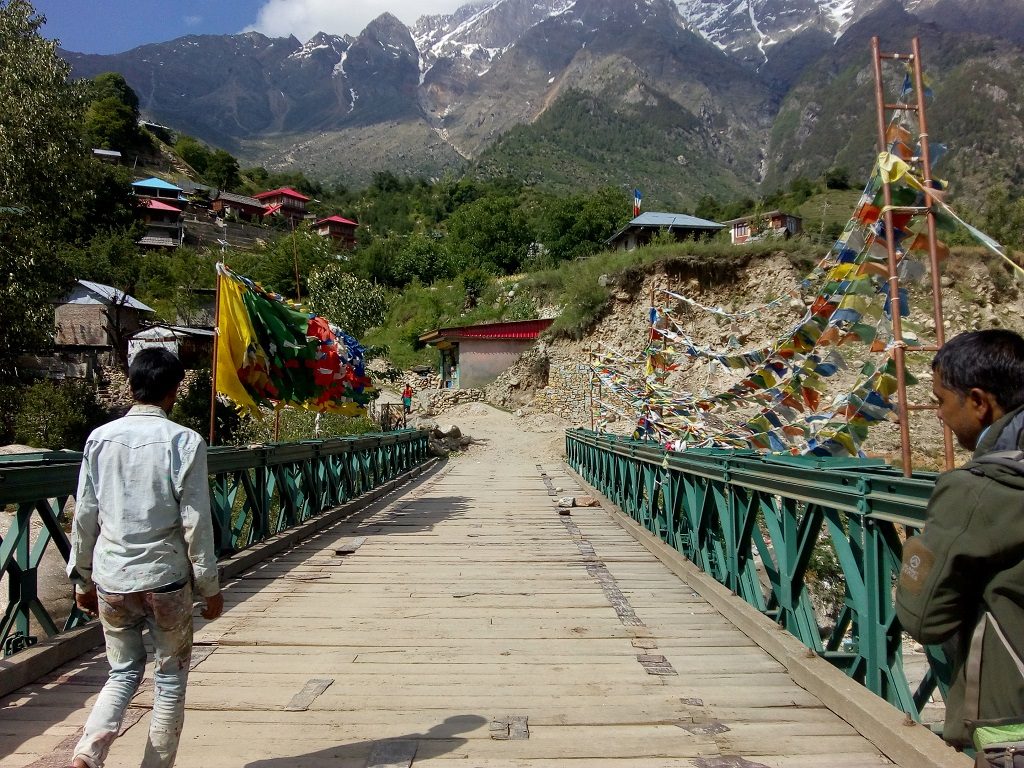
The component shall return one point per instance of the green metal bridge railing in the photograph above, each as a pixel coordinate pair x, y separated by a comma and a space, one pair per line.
726, 510
256, 492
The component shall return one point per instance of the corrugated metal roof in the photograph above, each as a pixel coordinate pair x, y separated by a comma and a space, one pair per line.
155, 183
156, 205
231, 197
337, 220
105, 294
511, 331
681, 220
286, 191
766, 215
159, 331
167, 242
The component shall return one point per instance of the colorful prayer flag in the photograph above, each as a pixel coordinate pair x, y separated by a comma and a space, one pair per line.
272, 353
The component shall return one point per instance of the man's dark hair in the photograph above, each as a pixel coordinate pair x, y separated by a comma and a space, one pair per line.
154, 374
990, 360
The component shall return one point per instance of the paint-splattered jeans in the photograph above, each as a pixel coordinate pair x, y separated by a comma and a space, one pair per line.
169, 618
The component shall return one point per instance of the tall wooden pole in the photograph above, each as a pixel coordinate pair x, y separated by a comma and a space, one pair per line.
899, 352
933, 253
295, 262
213, 363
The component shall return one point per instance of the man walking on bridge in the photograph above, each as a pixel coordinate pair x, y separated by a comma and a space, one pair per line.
142, 538
962, 580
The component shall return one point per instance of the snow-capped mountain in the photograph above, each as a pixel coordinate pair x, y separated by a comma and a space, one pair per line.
749, 29
476, 34
698, 96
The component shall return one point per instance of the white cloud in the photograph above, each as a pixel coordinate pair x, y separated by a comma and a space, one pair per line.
193, 21
304, 18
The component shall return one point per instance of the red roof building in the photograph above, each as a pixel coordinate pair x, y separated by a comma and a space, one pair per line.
472, 356
285, 201
164, 227
339, 229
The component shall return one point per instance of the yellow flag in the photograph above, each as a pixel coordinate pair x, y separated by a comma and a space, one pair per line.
235, 336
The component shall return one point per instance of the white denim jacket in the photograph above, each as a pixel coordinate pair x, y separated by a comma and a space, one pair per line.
142, 519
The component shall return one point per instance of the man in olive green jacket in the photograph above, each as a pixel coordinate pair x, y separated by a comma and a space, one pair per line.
962, 580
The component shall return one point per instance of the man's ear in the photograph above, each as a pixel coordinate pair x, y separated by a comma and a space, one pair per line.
982, 405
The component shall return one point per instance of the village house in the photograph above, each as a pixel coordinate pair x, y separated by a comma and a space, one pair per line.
164, 227
645, 227
241, 207
193, 346
472, 356
771, 224
339, 229
109, 156
284, 202
158, 189
98, 317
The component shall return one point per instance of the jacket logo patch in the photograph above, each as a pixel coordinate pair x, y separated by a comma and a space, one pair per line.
917, 565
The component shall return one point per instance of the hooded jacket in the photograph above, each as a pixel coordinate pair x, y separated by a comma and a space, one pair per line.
968, 560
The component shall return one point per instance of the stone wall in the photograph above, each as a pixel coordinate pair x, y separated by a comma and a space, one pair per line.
567, 394
442, 400
81, 325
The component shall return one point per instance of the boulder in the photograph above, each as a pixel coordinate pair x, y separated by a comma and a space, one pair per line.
435, 448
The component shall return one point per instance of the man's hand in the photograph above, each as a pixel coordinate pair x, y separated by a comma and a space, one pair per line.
214, 606
88, 602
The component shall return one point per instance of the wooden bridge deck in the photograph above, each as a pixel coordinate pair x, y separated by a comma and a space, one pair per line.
471, 604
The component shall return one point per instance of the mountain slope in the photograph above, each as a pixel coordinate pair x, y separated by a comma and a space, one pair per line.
683, 97
829, 115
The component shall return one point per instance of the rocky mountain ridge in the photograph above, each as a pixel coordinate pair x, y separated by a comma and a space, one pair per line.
716, 74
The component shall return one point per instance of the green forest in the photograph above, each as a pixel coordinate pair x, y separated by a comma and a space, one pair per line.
454, 250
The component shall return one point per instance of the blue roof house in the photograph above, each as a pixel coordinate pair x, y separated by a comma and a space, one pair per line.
158, 189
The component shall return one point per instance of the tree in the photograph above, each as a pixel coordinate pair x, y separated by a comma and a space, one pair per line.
112, 119
222, 170
275, 266
192, 152
41, 171
58, 415
837, 178
109, 124
419, 257
112, 85
491, 232
353, 304
578, 226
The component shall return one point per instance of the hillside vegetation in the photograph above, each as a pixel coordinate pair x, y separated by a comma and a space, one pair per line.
431, 253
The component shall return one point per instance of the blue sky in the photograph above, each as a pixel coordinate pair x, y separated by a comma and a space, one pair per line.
112, 26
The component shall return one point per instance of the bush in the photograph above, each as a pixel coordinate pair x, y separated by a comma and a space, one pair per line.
192, 410
58, 415
302, 425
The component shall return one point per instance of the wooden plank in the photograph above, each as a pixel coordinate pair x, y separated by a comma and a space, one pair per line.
349, 546
392, 754
313, 688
